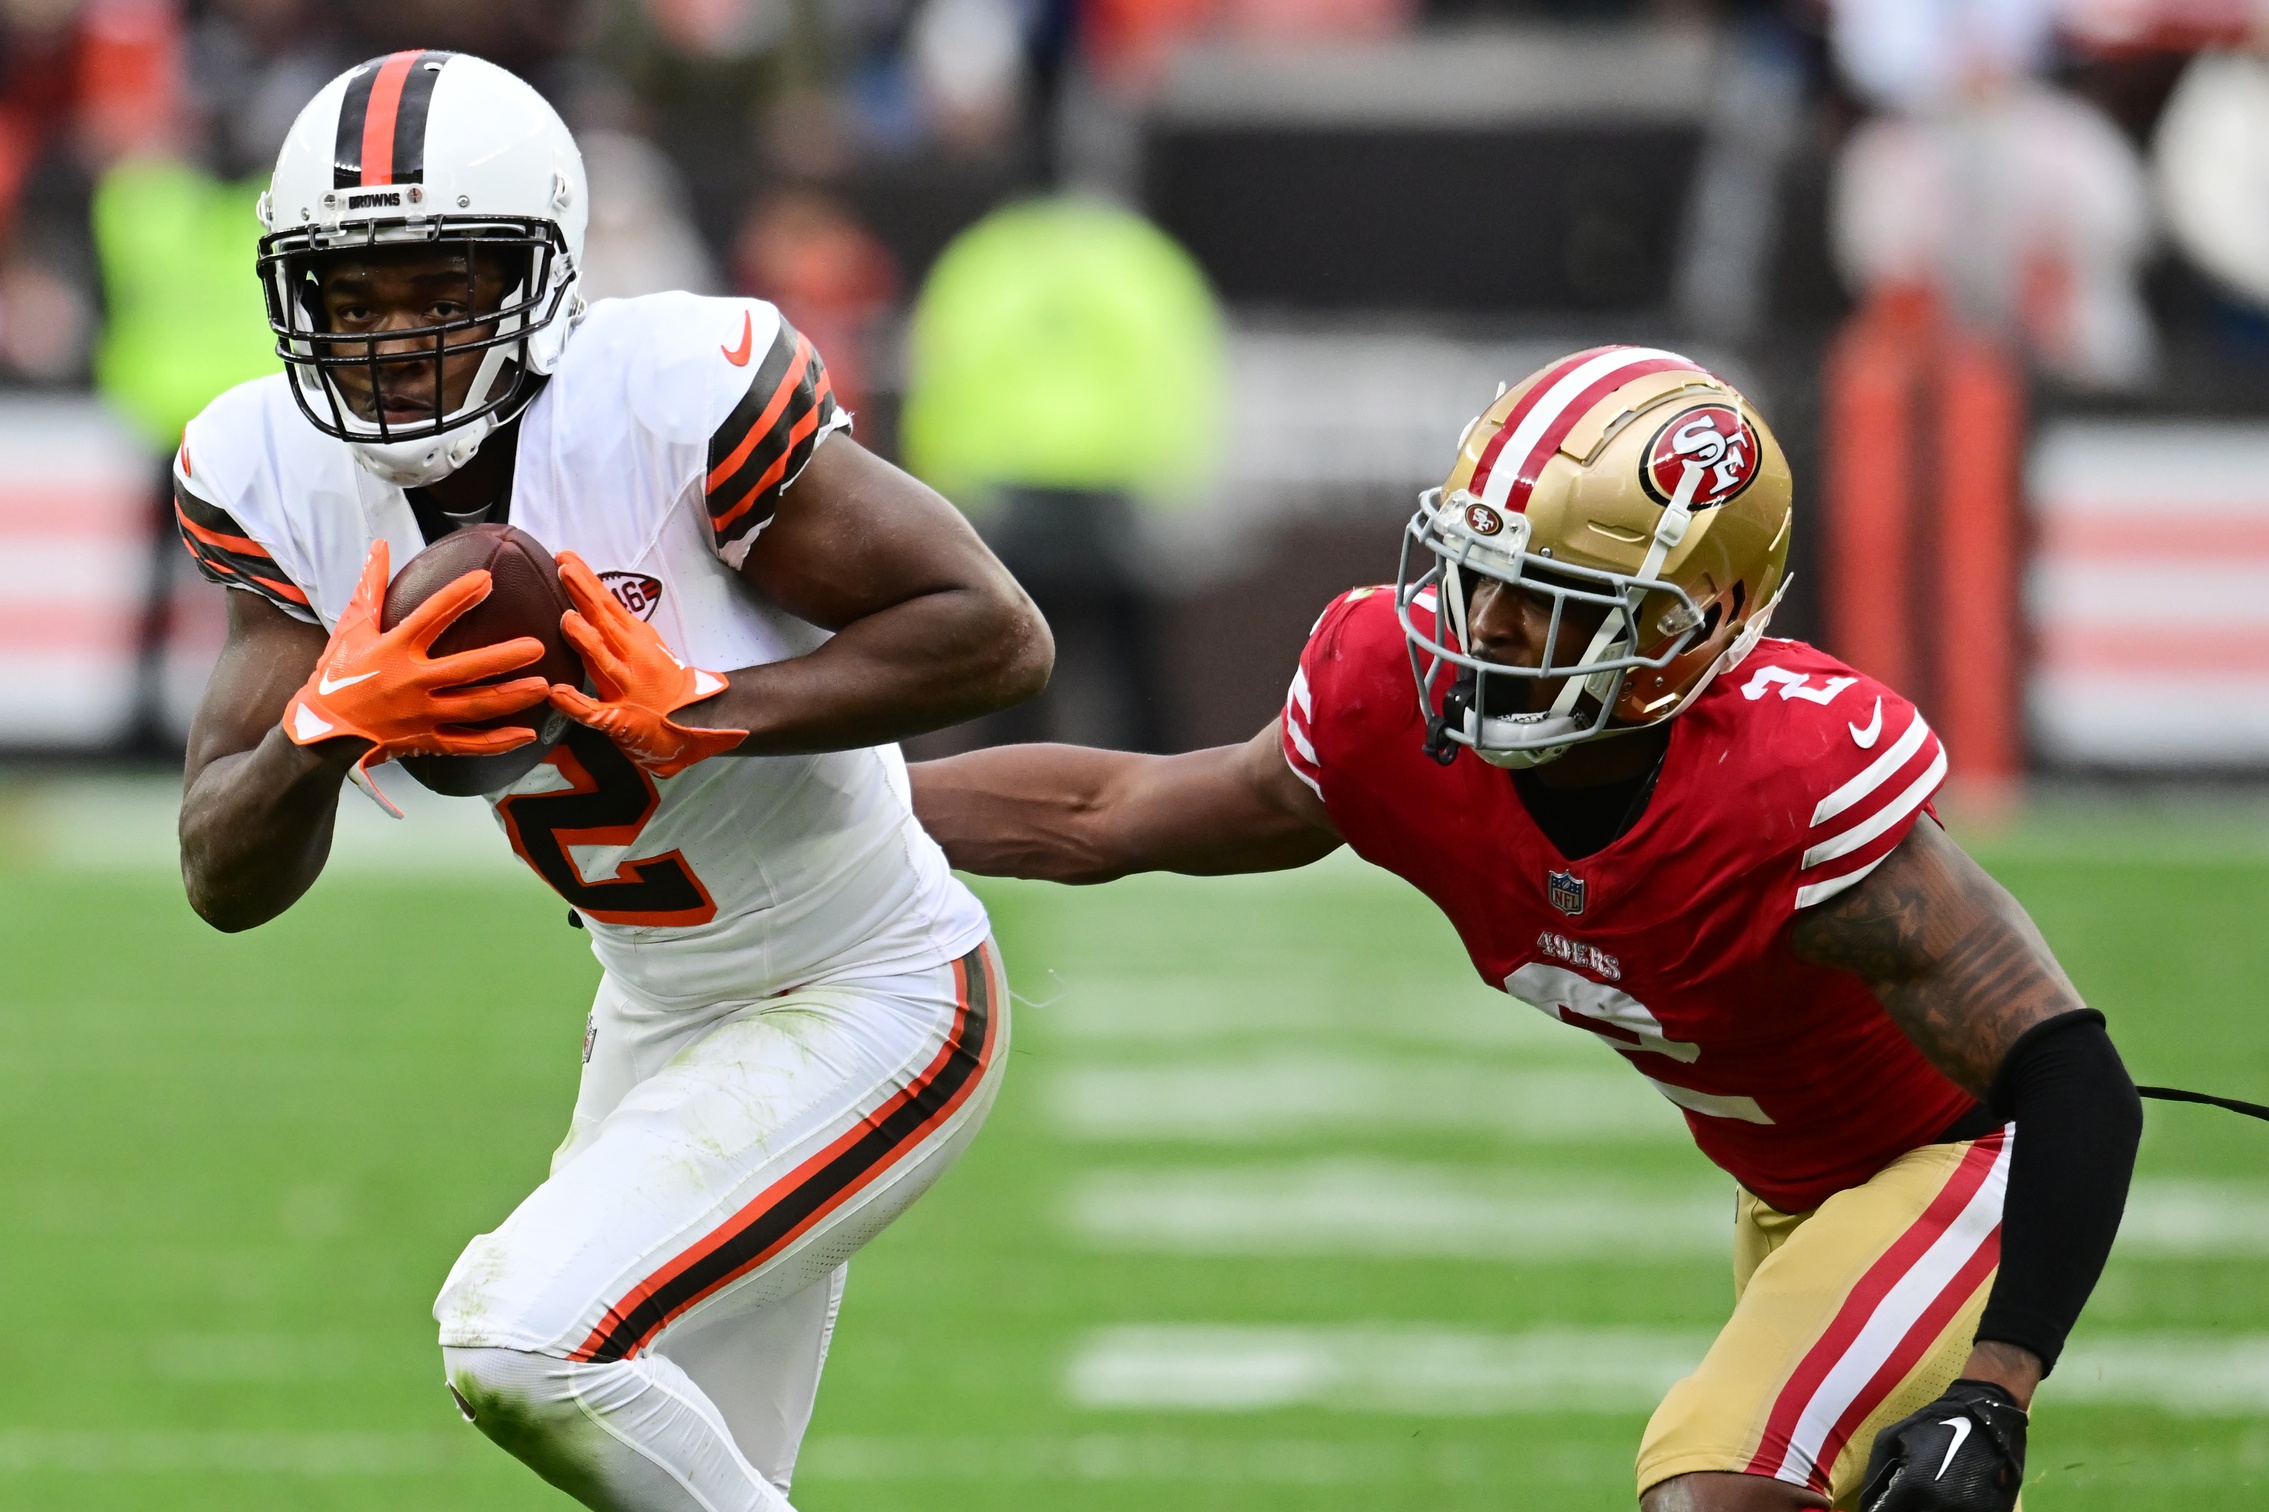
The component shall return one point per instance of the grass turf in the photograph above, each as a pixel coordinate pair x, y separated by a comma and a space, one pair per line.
239, 1168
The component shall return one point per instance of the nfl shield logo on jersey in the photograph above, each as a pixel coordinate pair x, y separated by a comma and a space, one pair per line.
1567, 891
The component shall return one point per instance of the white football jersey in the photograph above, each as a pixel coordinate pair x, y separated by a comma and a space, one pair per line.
657, 452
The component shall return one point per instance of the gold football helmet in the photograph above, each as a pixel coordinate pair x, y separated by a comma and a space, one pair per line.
1625, 478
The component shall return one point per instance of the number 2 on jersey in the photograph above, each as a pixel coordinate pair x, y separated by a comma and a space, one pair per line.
607, 803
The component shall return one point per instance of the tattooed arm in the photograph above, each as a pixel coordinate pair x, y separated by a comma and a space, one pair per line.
1960, 968
1950, 954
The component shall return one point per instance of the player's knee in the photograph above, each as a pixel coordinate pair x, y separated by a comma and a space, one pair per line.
525, 1402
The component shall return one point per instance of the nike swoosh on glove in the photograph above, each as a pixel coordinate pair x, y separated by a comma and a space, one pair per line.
383, 687
1964, 1452
640, 683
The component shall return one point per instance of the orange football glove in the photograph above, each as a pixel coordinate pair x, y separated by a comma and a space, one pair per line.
382, 687
640, 683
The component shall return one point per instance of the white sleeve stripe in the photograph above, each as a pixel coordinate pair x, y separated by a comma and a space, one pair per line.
1299, 739
1883, 818
1313, 786
1815, 892
1880, 772
1300, 693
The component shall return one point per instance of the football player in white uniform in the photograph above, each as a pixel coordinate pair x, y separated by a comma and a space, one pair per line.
802, 1020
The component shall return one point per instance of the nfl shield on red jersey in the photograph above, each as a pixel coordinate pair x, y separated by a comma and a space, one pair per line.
1787, 782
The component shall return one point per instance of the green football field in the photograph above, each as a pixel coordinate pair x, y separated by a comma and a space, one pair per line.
1280, 1208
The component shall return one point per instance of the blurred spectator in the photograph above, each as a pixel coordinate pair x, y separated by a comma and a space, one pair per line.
253, 64
2211, 157
533, 38
1066, 371
1129, 42
2022, 208
2112, 27
969, 58
721, 28
2027, 212
804, 251
1920, 55
641, 240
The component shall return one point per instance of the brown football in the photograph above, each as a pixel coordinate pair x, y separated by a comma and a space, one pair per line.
525, 598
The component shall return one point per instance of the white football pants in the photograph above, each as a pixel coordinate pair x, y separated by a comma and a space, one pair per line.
646, 1331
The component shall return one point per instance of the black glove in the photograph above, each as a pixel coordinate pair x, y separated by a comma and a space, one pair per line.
1964, 1452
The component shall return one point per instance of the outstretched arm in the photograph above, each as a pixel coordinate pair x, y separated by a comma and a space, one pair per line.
1957, 964
1070, 814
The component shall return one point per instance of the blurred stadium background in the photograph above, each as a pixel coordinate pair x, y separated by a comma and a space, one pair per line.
1182, 300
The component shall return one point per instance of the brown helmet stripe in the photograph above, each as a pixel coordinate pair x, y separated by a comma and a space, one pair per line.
382, 120
791, 1206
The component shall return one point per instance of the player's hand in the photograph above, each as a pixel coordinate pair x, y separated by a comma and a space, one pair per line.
1964, 1452
381, 685
640, 683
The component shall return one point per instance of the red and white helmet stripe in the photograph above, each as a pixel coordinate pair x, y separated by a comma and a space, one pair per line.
1562, 396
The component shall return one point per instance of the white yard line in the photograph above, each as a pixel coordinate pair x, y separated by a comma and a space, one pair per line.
1378, 1368
1398, 1209
1234, 1458
1203, 1010
1238, 1460
1446, 1372
1272, 1096
1390, 1209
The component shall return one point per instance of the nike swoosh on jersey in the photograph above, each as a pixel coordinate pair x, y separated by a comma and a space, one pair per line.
748, 342
1867, 737
327, 687
1961, 1427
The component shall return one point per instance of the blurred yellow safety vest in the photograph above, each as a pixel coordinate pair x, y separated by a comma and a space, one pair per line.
186, 317
1063, 343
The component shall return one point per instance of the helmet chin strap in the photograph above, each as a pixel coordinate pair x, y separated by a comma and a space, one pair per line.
1677, 518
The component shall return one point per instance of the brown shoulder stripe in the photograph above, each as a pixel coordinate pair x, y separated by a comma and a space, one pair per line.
768, 437
224, 553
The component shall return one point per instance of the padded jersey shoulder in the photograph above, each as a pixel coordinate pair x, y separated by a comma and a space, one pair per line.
247, 479
1353, 684
1821, 766
733, 398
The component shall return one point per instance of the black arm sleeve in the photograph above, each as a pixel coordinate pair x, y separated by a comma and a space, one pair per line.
2078, 1122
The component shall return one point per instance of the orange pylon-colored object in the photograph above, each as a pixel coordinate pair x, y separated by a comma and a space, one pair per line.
1922, 586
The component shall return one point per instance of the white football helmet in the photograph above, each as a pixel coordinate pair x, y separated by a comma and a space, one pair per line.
426, 148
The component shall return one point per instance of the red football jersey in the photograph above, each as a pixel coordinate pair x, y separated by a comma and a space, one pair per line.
1786, 782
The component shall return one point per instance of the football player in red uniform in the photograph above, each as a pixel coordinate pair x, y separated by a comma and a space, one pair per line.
1716, 852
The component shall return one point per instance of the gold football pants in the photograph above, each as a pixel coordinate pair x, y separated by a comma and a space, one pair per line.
1845, 1319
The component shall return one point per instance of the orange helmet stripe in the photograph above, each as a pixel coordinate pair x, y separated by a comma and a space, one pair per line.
378, 123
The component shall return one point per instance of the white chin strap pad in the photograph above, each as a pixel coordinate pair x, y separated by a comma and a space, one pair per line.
1521, 761
427, 460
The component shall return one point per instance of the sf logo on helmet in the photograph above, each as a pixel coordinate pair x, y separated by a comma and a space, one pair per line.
1712, 437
